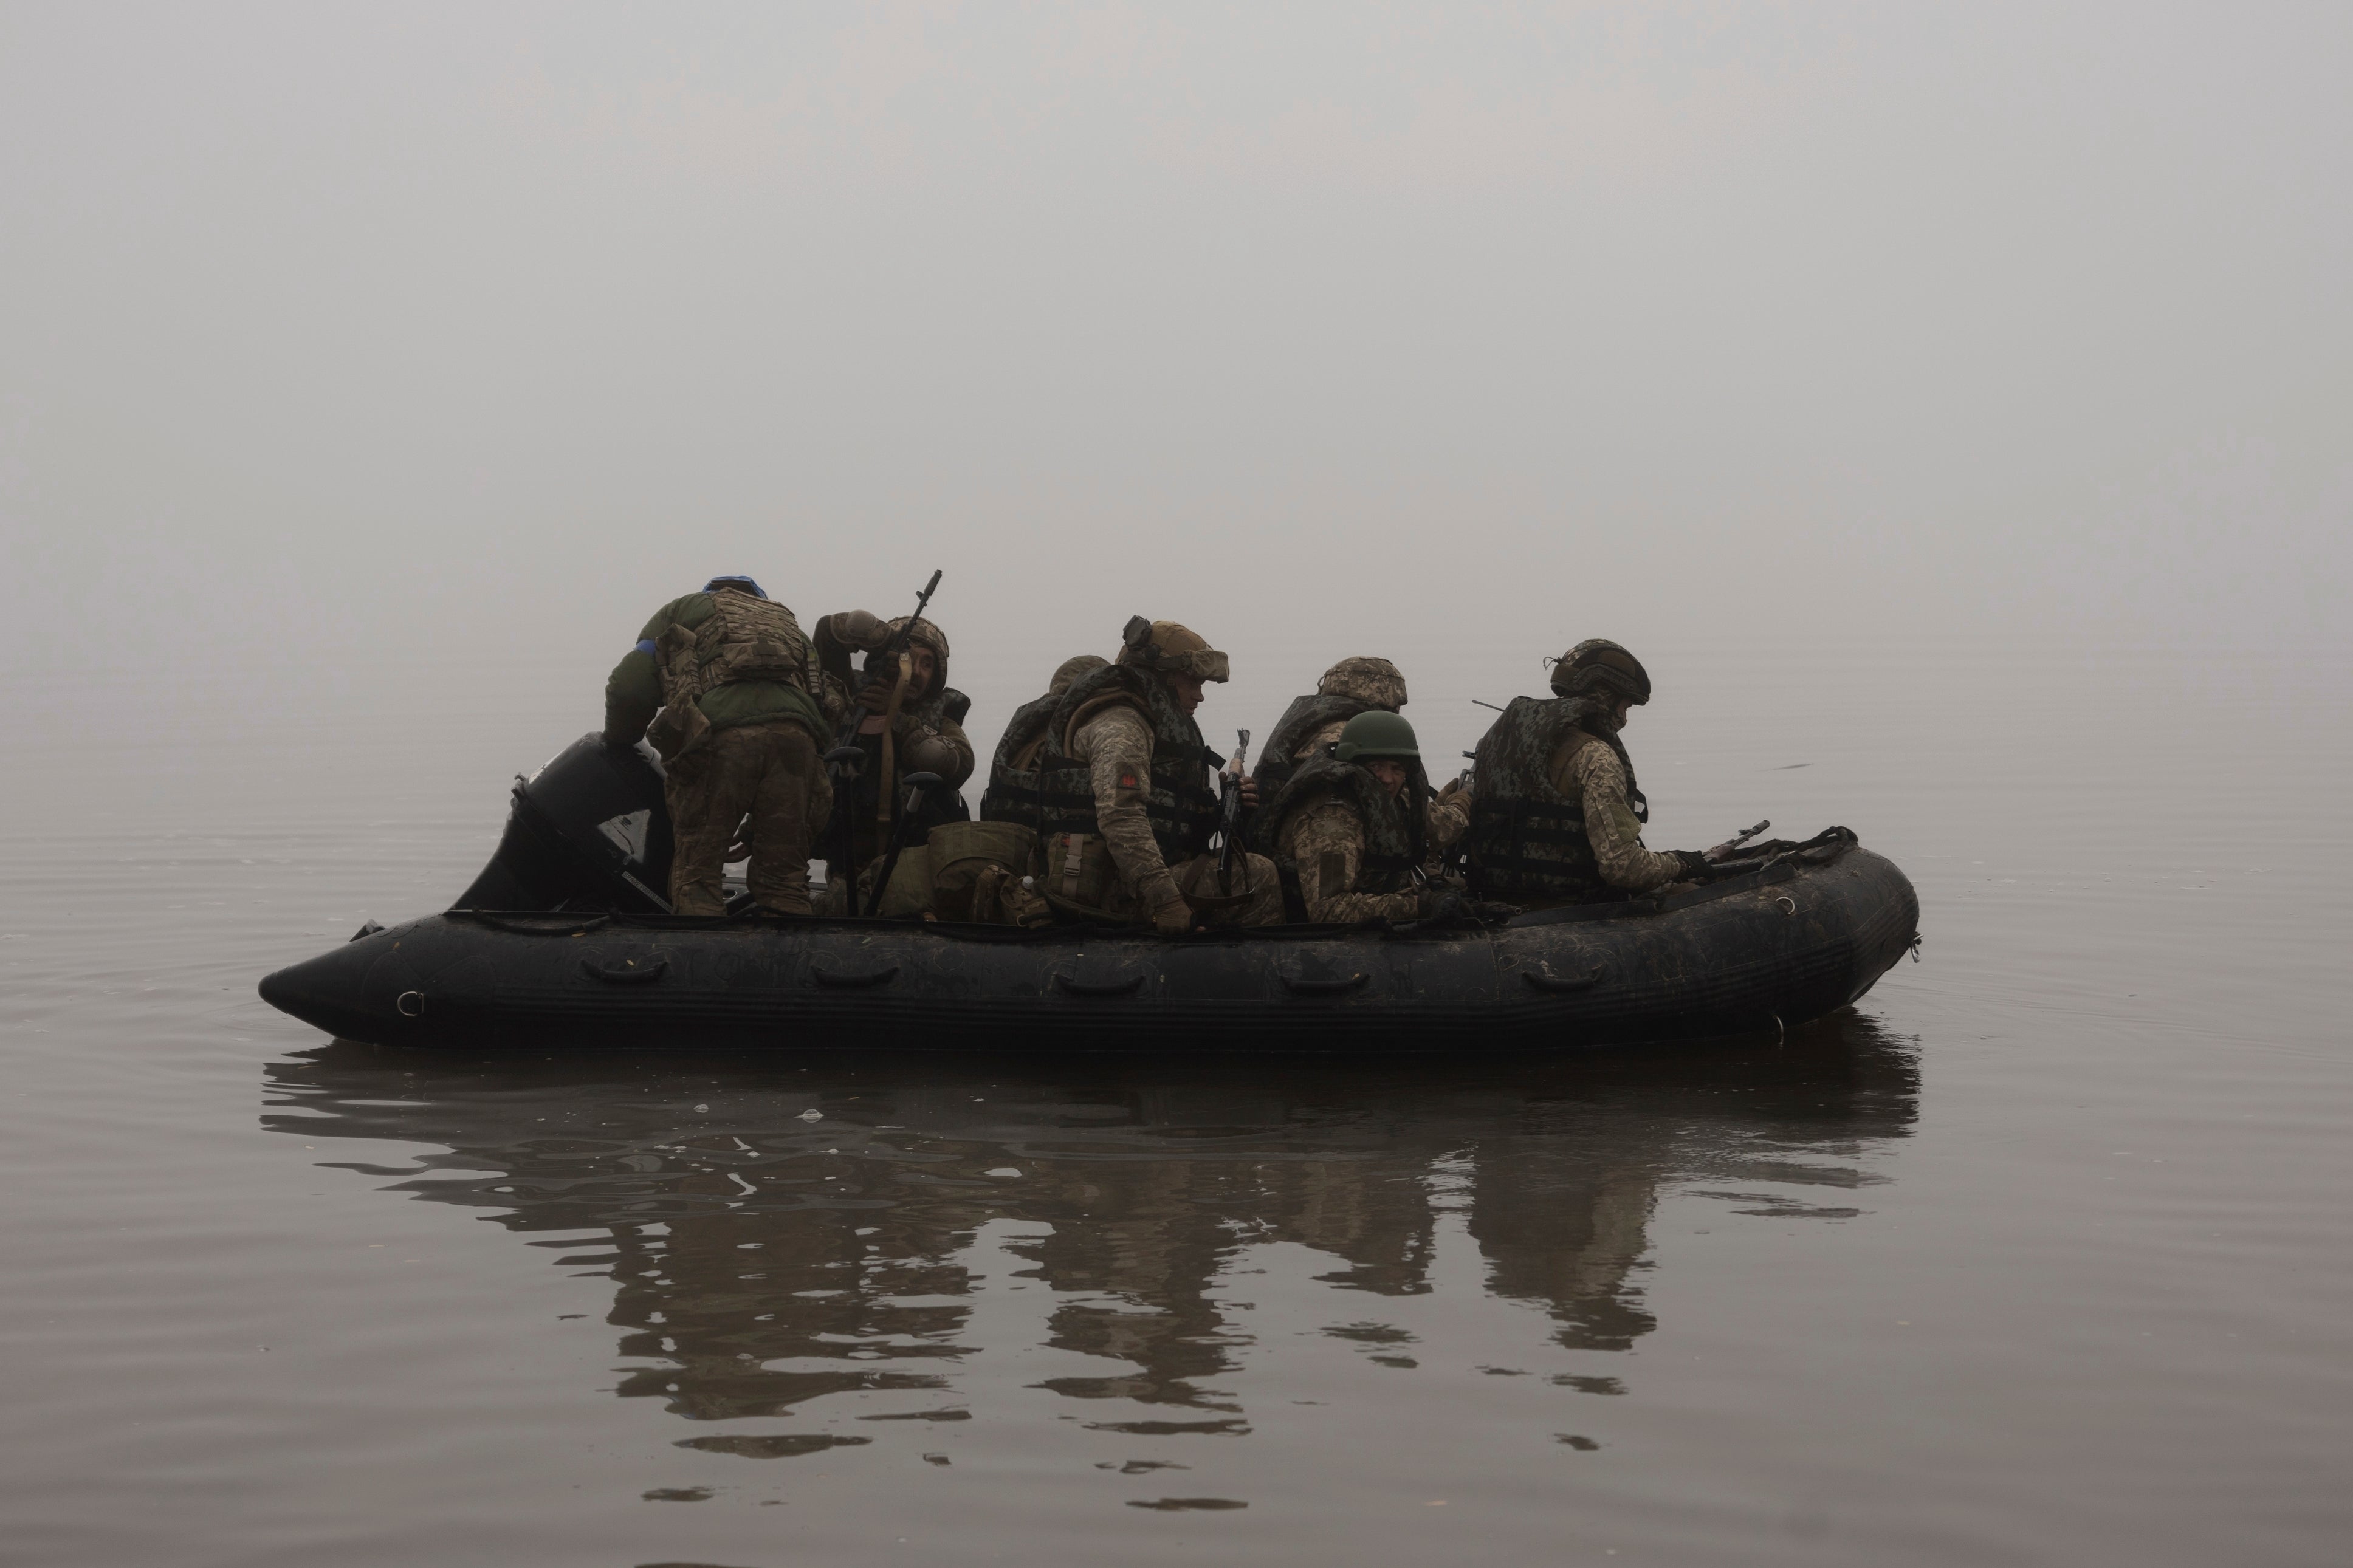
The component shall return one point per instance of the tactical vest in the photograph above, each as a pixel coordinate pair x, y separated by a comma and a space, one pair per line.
1178, 802
744, 639
1526, 840
1015, 791
1395, 835
1301, 719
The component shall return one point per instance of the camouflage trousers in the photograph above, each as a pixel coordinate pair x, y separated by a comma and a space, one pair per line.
767, 772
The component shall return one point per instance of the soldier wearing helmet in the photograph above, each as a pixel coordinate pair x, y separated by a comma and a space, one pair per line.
1558, 817
1014, 793
1128, 806
1358, 684
913, 725
1311, 726
721, 683
1353, 826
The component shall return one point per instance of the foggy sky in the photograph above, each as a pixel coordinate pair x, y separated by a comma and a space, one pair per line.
330, 334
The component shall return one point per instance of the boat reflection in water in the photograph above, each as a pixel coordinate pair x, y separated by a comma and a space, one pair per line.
779, 1235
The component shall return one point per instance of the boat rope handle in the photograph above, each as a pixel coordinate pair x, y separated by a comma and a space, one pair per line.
1127, 987
527, 926
851, 982
1305, 987
626, 972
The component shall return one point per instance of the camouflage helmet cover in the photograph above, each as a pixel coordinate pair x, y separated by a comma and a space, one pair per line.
1378, 733
1366, 678
1072, 669
925, 633
1175, 649
1597, 663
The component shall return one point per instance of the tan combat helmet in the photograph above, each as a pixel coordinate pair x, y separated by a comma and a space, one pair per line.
1371, 681
1172, 649
1598, 664
1073, 668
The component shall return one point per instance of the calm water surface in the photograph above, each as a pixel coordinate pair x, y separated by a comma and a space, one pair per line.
2041, 1253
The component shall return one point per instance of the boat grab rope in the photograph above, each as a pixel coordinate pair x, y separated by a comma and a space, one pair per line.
530, 925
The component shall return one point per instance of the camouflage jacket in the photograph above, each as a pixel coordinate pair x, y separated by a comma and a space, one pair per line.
1355, 849
1528, 838
1123, 762
1589, 771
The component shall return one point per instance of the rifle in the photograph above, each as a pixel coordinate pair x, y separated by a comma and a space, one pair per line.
1229, 811
1723, 850
841, 761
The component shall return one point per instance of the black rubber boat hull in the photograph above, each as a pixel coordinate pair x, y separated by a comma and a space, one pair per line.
1781, 946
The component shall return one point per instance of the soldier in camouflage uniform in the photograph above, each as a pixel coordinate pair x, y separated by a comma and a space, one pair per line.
1129, 808
1015, 792
910, 728
1359, 684
1558, 818
723, 683
1354, 828
1312, 724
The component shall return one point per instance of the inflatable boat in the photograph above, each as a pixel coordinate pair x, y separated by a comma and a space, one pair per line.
564, 942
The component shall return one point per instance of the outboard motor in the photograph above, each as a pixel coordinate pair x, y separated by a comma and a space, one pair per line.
588, 831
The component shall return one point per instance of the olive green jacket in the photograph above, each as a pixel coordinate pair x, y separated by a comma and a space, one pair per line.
633, 693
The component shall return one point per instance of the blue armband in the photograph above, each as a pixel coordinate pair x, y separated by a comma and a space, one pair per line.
645, 644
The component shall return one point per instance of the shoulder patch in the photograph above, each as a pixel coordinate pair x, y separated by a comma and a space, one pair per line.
1127, 778
1331, 874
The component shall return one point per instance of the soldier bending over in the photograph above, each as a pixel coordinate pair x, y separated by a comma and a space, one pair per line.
738, 731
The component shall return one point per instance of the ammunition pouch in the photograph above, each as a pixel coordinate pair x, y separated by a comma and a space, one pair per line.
1081, 876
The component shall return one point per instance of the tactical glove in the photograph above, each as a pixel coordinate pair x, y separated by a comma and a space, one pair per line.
1174, 918
1490, 913
859, 629
1696, 867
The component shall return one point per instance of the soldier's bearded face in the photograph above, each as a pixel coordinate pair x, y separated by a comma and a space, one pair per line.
1187, 690
1392, 774
923, 667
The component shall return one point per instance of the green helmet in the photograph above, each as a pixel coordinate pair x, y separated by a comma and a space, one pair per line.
1377, 734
